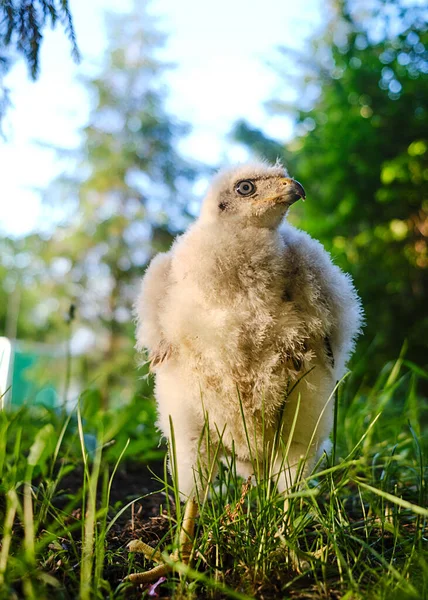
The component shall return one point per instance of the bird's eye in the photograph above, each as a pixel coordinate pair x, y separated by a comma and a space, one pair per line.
245, 188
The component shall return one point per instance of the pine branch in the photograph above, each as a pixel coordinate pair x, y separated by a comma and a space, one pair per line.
22, 23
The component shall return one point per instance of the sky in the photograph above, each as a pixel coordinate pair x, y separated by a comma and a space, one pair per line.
221, 51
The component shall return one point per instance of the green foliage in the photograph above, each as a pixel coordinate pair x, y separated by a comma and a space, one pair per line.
362, 155
355, 528
40, 450
131, 424
28, 314
42, 447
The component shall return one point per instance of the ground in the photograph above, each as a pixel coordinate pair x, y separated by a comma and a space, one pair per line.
74, 491
149, 519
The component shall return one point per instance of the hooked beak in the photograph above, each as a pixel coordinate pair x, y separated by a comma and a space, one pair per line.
293, 190
288, 192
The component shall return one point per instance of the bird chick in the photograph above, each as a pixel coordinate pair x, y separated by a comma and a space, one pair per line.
248, 326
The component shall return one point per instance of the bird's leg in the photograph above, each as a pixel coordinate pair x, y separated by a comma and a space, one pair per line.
183, 553
187, 532
191, 471
291, 469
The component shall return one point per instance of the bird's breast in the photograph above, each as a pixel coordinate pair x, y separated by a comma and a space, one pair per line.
228, 321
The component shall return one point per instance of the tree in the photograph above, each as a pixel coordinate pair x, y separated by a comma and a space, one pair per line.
129, 186
362, 154
25, 312
21, 30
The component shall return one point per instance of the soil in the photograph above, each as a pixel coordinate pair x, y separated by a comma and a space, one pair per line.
148, 518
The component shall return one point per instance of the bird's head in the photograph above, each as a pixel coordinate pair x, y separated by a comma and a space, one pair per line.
256, 194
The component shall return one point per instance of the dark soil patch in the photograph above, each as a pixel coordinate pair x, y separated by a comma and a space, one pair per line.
146, 518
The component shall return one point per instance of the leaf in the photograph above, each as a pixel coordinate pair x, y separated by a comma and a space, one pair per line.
419, 510
43, 446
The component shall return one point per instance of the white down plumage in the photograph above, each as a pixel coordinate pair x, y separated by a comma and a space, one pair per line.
241, 308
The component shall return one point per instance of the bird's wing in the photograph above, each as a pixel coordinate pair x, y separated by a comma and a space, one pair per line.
331, 299
148, 310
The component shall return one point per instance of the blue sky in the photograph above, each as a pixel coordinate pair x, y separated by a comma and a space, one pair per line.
217, 47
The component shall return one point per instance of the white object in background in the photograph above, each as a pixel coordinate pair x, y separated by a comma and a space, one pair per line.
6, 359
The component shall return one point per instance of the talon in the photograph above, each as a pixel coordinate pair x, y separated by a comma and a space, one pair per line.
148, 576
183, 553
149, 552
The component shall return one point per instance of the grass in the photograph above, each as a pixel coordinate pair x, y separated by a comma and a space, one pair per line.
356, 528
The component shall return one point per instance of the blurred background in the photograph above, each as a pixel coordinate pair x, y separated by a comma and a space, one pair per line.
104, 160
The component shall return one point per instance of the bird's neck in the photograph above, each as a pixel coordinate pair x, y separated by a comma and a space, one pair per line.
221, 252
237, 237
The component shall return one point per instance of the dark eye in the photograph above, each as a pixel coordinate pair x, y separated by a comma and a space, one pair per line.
245, 188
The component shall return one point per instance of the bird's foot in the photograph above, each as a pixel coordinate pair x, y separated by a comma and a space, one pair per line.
151, 554
183, 554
